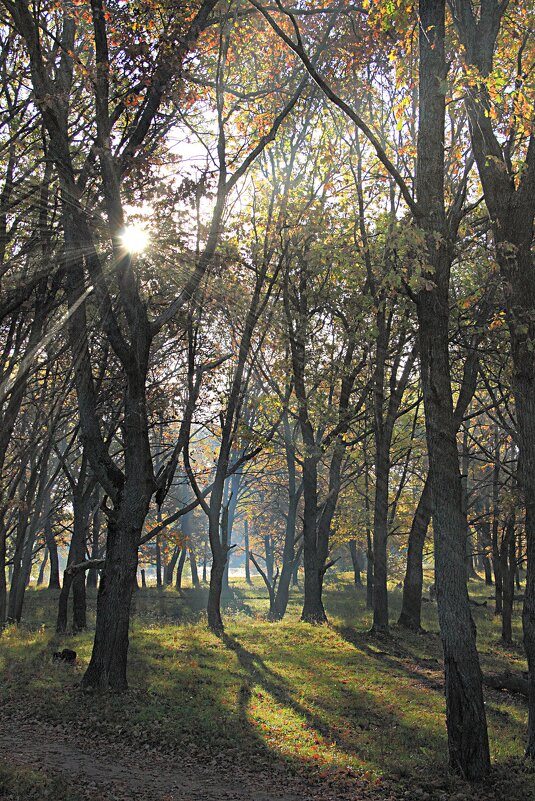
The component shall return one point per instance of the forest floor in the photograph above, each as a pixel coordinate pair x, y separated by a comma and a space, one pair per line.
269, 711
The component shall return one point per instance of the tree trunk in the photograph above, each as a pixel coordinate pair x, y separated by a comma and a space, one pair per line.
218, 542
268, 549
355, 560
234, 484
205, 560
180, 568
158, 553
411, 606
193, 566
25, 571
282, 594
81, 508
524, 393
53, 579
3, 583
107, 667
510, 199
485, 546
380, 542
369, 570
290, 562
313, 610
496, 562
465, 466
50, 541
42, 568
63, 603
508, 565
215, 621
295, 574
465, 711
170, 566
369, 541
246, 548
16, 576
92, 575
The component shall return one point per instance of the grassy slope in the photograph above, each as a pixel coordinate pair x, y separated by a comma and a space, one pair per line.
328, 701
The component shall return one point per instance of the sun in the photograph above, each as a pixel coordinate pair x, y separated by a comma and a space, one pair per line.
134, 238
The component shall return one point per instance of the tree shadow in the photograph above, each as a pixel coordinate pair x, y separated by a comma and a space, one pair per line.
361, 712
395, 654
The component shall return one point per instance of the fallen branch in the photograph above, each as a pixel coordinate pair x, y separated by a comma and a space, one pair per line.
510, 682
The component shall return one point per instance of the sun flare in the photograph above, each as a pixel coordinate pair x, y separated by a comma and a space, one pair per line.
135, 238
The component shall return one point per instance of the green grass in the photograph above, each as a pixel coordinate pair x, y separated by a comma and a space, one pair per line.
325, 701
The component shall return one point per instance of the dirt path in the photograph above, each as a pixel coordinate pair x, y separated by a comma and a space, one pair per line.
110, 772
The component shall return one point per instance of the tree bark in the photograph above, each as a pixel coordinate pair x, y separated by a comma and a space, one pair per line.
510, 200
465, 711
107, 667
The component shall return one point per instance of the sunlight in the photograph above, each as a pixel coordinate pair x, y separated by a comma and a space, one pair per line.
135, 238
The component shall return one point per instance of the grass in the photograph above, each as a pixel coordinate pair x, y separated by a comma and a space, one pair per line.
18, 784
324, 701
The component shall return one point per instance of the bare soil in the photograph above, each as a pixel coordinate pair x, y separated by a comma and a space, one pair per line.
108, 772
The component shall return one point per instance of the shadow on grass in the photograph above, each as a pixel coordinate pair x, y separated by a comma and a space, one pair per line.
365, 726
395, 655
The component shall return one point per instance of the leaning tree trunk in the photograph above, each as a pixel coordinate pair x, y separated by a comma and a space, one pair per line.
170, 566
411, 606
42, 568
180, 568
